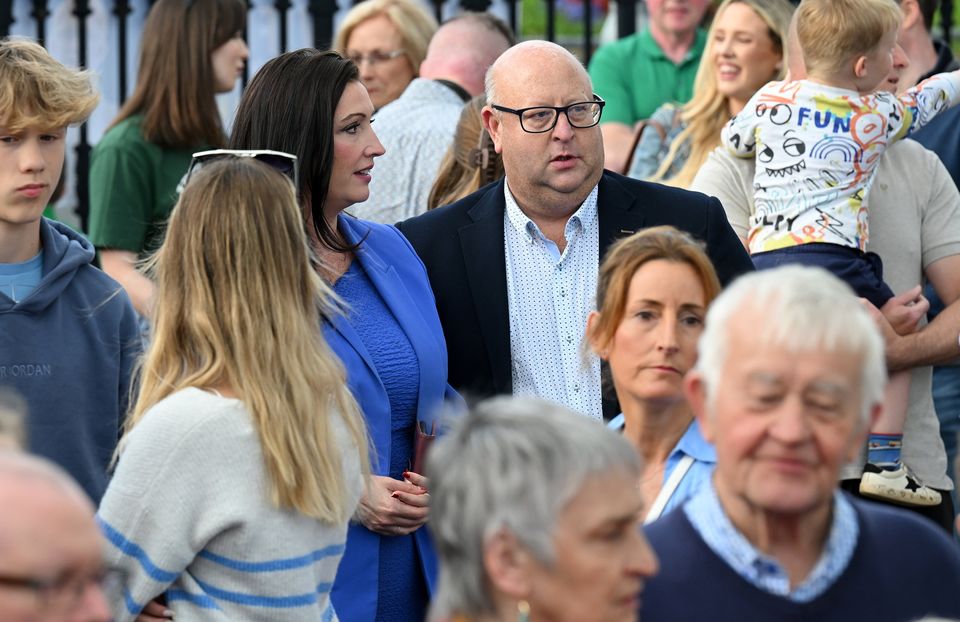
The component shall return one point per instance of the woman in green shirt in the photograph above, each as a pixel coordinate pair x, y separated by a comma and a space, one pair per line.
189, 52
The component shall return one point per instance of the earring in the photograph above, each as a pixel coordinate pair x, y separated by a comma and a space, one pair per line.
523, 611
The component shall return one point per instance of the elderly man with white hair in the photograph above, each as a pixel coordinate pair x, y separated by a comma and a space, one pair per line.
790, 374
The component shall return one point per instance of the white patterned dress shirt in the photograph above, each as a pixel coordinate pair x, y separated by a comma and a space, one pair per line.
549, 295
416, 130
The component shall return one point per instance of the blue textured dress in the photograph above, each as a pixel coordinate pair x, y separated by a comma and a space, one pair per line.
403, 590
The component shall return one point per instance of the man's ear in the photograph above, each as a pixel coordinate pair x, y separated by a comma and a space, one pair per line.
911, 14
696, 391
508, 565
492, 124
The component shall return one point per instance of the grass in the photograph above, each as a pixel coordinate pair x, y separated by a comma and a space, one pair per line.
955, 28
533, 23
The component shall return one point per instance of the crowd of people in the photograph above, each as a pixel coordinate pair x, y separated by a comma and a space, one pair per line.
452, 327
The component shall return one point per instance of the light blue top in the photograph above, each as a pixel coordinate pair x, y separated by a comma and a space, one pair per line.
707, 517
690, 444
18, 280
549, 296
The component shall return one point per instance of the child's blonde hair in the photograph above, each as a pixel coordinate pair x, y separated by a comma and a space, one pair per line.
832, 33
38, 91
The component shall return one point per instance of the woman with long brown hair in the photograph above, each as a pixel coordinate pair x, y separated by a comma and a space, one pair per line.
190, 51
389, 338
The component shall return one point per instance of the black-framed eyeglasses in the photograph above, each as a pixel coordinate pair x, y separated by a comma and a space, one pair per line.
285, 163
66, 592
539, 119
376, 57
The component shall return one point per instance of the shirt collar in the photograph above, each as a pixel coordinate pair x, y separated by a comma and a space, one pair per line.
650, 46
583, 218
708, 518
694, 445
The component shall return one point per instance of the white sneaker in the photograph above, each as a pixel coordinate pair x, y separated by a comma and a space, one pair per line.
898, 486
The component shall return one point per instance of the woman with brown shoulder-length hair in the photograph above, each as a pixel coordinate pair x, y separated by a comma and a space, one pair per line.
190, 51
653, 291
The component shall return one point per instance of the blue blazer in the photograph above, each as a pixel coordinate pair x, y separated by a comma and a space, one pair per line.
401, 279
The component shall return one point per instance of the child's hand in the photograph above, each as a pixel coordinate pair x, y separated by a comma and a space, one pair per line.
905, 310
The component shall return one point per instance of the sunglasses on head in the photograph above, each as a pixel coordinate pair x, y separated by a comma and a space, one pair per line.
278, 160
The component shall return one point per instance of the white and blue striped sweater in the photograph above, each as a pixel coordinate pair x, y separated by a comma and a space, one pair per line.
188, 512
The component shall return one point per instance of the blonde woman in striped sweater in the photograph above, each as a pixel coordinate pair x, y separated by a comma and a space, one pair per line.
244, 455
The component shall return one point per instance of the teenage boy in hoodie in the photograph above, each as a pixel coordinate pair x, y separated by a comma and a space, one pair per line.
68, 334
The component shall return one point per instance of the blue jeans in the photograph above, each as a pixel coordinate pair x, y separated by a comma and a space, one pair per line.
946, 399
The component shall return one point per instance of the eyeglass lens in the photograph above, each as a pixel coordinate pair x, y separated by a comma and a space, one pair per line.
585, 114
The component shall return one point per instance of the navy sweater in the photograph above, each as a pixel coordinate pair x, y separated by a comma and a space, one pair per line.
68, 348
902, 569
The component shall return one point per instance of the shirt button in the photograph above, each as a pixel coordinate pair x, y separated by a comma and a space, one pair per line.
576, 388
569, 339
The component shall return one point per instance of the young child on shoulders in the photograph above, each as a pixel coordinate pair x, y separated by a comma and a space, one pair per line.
68, 334
817, 143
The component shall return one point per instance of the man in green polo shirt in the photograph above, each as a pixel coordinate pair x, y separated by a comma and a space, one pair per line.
637, 74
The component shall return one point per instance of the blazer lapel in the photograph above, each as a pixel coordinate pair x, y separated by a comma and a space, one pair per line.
618, 212
483, 254
406, 310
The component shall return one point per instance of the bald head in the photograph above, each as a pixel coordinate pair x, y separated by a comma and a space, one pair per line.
34, 486
525, 61
22, 469
47, 533
463, 49
549, 172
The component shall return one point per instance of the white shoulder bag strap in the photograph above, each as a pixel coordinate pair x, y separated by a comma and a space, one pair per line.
668, 489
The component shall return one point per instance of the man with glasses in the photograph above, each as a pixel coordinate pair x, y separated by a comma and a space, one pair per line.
514, 265
50, 567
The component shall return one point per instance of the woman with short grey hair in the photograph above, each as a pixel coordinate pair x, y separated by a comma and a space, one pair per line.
535, 514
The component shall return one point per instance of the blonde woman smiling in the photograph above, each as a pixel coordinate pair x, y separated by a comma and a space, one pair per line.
745, 50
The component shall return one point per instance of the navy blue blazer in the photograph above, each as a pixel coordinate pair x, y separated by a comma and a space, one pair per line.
463, 249
400, 278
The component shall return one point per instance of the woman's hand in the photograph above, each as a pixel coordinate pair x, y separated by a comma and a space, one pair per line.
393, 507
155, 611
417, 480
